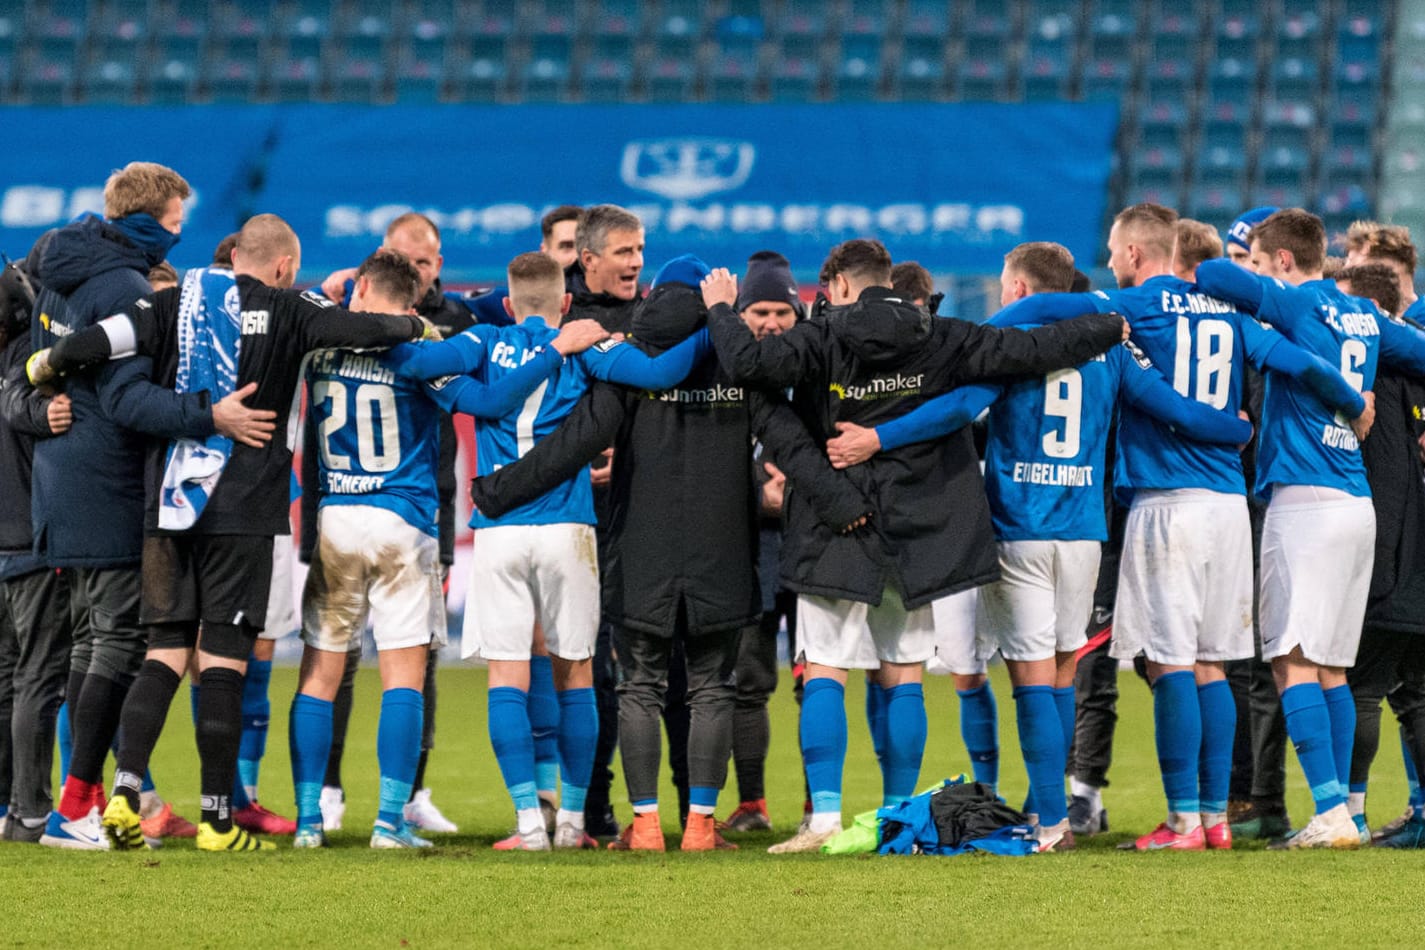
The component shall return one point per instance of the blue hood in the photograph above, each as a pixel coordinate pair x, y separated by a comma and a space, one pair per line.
85, 249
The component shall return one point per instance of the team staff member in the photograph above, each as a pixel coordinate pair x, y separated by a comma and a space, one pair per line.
871, 355
88, 486
682, 540
218, 568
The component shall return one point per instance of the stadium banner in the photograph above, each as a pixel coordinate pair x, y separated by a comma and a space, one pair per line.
58, 159
954, 186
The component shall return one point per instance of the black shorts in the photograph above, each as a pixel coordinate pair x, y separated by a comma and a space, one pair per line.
221, 579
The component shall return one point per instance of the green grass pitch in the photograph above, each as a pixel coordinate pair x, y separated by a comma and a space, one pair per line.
464, 894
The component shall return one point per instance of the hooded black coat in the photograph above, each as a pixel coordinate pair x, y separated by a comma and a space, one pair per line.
683, 523
1396, 602
930, 533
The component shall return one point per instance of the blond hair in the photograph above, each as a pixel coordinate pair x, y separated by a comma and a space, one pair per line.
142, 188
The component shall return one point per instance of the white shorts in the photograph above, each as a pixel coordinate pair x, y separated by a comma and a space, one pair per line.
958, 648
281, 605
369, 562
1318, 548
1185, 579
1041, 603
850, 635
521, 575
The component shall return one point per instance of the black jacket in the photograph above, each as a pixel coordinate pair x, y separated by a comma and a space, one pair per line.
613, 313
88, 487
1392, 455
930, 533
279, 327
451, 317
685, 508
23, 420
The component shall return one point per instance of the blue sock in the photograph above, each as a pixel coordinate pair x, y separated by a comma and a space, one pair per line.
1219, 725
1178, 729
702, 799
1412, 777
66, 740
979, 727
876, 721
1041, 740
544, 723
1309, 725
398, 750
824, 741
256, 713
1341, 707
578, 733
1064, 700
147, 784
514, 745
309, 736
905, 728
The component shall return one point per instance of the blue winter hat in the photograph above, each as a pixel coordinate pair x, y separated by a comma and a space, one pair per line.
685, 269
1240, 231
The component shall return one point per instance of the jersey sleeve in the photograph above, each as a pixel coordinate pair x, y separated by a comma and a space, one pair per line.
938, 417
627, 364
836, 501
456, 356
1144, 387
1048, 308
965, 352
321, 323
130, 397
139, 330
1402, 347
497, 399
1231, 282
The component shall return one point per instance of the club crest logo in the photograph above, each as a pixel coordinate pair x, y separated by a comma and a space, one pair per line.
687, 169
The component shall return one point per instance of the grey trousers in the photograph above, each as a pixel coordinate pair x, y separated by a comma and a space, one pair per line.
644, 660
37, 604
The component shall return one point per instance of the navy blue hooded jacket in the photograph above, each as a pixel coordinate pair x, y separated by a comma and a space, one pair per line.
88, 484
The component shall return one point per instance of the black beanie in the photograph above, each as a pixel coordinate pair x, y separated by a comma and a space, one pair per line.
768, 278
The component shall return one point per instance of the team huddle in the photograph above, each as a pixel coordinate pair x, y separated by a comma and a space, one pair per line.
666, 479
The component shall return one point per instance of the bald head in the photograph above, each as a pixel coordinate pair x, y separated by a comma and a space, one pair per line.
268, 249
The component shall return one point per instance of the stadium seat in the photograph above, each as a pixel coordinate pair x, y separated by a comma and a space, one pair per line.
1170, 80
1296, 78
1355, 79
304, 26
295, 80
1358, 38
172, 82
419, 79
110, 81
1044, 75
982, 80
483, 77
1168, 195
1106, 79
619, 18
1217, 204
607, 80
669, 80
1157, 165
1281, 165
1221, 165
678, 29
1225, 123
1281, 196
1112, 35
793, 79
44, 82
544, 78
230, 80
1162, 122
1236, 37
926, 19
857, 75
1233, 78
225, 21
801, 27
987, 36
732, 79
1297, 35
920, 79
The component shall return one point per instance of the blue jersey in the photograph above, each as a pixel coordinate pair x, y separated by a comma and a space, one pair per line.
1044, 459
378, 435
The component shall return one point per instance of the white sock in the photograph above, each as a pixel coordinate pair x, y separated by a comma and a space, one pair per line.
1084, 790
149, 804
530, 820
824, 821
701, 809
1356, 803
1211, 819
645, 808
1184, 822
567, 817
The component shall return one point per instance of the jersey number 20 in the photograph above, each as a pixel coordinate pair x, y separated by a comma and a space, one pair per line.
372, 405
